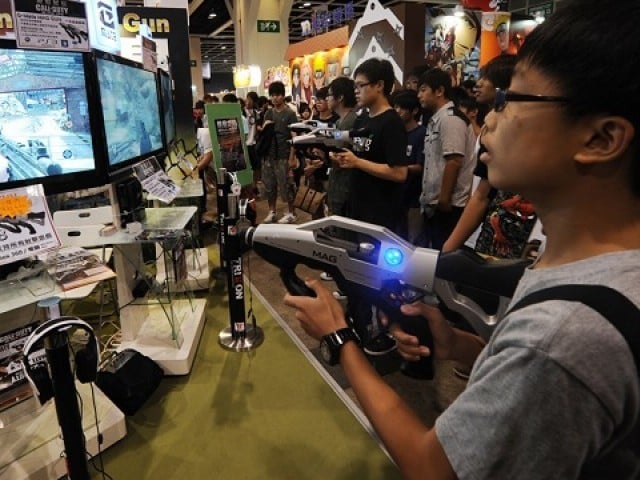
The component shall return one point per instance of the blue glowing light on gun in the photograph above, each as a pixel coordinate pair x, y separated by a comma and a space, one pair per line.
393, 256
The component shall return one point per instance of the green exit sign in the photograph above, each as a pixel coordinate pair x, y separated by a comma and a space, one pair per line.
268, 26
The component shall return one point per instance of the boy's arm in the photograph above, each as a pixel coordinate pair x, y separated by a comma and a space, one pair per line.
472, 216
348, 159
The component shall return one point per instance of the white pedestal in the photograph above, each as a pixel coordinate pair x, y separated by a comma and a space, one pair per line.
30, 437
197, 271
146, 328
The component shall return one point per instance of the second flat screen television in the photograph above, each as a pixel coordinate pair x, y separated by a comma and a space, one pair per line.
130, 110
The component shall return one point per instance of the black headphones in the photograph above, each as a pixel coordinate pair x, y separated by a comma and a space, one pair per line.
86, 359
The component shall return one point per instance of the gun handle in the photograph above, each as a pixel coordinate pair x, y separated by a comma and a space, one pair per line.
418, 327
294, 284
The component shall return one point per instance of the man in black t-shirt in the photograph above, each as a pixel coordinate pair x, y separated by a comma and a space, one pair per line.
378, 158
379, 165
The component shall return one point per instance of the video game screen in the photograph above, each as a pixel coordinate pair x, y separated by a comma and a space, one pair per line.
167, 108
130, 109
44, 115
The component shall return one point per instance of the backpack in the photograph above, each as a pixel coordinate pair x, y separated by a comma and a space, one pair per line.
621, 312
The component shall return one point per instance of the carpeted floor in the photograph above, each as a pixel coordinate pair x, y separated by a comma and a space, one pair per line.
265, 414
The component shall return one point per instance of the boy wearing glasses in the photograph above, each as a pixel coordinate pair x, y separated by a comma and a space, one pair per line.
378, 164
555, 392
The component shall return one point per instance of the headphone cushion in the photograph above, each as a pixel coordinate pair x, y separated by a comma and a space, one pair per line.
87, 363
42, 381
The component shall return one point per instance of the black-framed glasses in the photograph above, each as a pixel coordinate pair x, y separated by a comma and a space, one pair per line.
360, 86
505, 96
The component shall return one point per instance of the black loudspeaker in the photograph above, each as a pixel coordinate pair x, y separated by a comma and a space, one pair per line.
86, 359
130, 201
129, 379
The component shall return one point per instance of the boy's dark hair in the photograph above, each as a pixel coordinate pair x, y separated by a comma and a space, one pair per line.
288, 99
471, 104
276, 88
344, 87
230, 98
262, 101
303, 107
499, 70
574, 48
322, 93
253, 96
437, 78
376, 70
458, 94
469, 84
406, 99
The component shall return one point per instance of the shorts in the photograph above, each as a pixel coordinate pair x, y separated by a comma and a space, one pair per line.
276, 180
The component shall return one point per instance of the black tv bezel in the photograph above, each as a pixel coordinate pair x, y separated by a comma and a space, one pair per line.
67, 182
167, 141
123, 167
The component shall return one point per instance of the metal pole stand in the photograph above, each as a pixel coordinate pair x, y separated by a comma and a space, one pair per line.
56, 345
239, 336
222, 193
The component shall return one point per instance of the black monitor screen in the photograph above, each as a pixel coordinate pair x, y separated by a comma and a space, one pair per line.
167, 107
45, 130
130, 109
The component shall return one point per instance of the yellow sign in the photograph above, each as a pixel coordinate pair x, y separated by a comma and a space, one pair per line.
131, 23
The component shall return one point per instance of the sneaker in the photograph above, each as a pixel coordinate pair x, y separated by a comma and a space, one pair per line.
380, 345
338, 295
326, 277
270, 218
288, 218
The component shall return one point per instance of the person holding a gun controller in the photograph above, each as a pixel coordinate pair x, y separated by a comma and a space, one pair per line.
555, 393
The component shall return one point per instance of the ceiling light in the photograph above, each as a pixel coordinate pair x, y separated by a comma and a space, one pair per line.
223, 47
306, 4
213, 15
539, 17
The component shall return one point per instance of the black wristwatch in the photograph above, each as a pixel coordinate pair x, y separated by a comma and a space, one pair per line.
331, 344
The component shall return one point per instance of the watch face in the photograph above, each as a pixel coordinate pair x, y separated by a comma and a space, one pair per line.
325, 351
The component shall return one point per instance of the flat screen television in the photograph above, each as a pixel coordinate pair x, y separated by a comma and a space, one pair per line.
130, 110
168, 114
47, 132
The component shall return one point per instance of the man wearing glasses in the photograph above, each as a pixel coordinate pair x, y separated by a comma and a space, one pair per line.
379, 169
555, 393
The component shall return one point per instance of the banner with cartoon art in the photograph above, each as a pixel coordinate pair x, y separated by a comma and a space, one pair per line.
453, 42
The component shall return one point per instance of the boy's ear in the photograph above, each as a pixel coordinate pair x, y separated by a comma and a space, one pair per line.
605, 139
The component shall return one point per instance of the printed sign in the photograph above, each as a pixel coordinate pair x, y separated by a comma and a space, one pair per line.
268, 26
104, 32
155, 180
26, 228
51, 25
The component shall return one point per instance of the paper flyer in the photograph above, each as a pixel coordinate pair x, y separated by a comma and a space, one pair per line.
26, 226
155, 180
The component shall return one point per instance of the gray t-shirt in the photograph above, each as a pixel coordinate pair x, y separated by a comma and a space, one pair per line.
281, 121
555, 393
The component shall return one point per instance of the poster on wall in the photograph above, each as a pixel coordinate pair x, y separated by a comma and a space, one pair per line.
494, 40
228, 140
378, 33
280, 73
312, 72
48, 25
6, 20
453, 43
